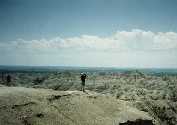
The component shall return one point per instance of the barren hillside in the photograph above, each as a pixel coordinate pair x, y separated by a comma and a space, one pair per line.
28, 106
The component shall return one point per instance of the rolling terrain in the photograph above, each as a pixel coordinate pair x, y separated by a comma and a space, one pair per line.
112, 97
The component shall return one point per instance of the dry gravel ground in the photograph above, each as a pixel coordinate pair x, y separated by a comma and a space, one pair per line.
29, 106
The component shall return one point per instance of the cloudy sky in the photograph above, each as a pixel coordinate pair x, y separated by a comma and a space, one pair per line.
103, 33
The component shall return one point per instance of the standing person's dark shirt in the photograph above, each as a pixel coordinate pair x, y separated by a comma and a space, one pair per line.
83, 77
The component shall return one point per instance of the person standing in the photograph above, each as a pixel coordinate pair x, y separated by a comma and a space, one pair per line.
83, 77
8, 80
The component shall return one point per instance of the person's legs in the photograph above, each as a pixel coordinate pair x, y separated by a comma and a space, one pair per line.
83, 86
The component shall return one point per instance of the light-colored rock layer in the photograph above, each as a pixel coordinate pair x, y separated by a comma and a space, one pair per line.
27, 106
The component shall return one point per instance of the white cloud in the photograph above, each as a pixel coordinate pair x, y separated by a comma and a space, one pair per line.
124, 45
120, 41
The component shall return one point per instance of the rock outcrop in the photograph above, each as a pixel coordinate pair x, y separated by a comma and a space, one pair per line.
28, 106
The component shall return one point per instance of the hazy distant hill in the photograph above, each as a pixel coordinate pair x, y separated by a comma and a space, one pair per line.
84, 69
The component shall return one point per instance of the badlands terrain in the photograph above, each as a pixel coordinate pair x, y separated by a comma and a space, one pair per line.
112, 97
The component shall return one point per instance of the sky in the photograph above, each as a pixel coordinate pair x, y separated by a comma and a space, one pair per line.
91, 33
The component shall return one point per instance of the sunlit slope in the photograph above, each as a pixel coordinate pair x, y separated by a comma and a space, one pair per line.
27, 106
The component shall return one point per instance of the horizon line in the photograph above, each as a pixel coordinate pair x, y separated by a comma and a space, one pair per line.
69, 66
